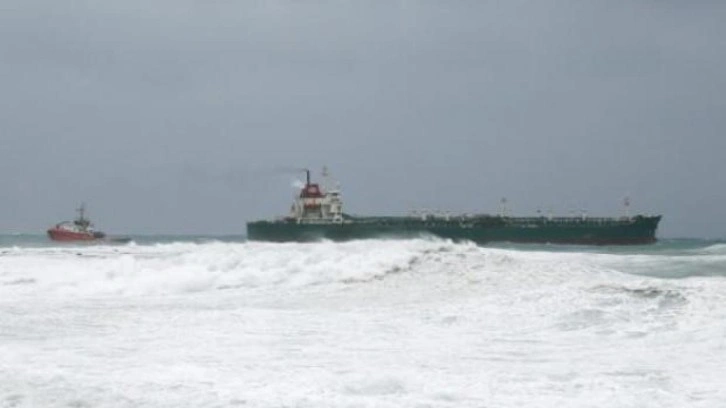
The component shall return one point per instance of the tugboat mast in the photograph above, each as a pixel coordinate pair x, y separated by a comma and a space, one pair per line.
81, 212
82, 221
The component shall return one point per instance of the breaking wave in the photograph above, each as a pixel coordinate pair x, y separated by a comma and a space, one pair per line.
188, 267
359, 323
715, 249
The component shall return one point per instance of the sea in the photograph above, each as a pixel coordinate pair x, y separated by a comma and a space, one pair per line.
221, 322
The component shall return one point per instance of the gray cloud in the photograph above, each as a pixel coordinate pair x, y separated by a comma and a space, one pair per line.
173, 116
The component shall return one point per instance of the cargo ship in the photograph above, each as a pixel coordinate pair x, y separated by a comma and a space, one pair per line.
80, 229
317, 214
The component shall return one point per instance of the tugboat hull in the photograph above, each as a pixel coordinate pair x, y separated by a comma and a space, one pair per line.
68, 236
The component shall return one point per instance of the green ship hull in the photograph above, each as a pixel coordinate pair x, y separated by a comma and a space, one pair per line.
483, 229
317, 214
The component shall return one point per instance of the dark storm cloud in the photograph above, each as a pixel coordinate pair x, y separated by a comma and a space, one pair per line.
174, 116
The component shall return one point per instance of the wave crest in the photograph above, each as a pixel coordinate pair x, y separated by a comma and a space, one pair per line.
189, 267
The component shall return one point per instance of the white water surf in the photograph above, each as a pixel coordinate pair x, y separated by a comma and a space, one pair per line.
368, 323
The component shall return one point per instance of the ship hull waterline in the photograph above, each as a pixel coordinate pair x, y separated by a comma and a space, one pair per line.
638, 232
69, 236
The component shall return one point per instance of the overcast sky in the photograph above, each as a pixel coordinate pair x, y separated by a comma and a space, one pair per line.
182, 116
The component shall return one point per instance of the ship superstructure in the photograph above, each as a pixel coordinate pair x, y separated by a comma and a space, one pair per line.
316, 204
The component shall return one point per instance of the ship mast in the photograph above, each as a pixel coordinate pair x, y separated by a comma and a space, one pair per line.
81, 212
82, 221
326, 179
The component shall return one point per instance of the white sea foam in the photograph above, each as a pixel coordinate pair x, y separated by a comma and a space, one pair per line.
714, 249
366, 323
184, 267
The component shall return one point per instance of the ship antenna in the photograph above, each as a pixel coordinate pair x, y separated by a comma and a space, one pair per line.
626, 204
326, 179
307, 177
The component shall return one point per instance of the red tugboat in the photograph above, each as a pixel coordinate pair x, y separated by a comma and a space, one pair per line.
80, 229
